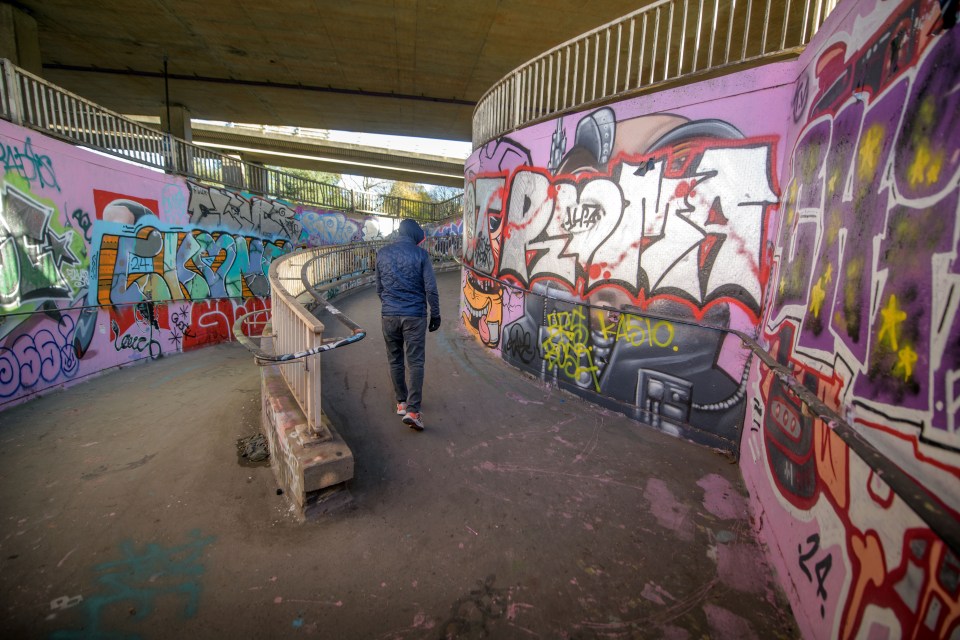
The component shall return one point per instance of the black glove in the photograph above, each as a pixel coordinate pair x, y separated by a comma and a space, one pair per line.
434, 323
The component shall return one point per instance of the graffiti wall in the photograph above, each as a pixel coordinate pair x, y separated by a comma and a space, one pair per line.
103, 263
611, 249
862, 308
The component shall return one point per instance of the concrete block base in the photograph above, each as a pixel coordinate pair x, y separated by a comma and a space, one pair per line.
312, 472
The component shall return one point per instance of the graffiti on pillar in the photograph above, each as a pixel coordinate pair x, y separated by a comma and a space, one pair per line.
864, 299
485, 305
680, 378
655, 213
677, 211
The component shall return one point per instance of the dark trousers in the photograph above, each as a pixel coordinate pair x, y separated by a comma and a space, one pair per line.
406, 334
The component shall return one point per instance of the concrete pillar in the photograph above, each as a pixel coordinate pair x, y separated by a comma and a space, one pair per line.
19, 41
179, 157
179, 122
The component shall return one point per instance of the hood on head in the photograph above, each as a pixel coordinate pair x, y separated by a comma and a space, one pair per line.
411, 229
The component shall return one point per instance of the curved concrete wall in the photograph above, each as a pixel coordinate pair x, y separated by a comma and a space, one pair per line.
104, 263
812, 205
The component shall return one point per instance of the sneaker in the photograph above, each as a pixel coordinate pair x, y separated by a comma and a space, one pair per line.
401, 408
414, 420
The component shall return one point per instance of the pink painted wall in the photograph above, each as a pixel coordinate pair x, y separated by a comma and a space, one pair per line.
104, 263
862, 307
814, 205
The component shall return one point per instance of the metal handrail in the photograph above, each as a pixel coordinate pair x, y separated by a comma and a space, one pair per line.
319, 278
662, 42
31, 101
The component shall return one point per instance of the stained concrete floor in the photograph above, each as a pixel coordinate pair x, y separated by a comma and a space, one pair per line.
521, 512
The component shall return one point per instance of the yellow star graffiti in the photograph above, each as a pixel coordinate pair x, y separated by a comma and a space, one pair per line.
828, 276
906, 358
926, 165
832, 183
783, 284
892, 317
817, 295
870, 150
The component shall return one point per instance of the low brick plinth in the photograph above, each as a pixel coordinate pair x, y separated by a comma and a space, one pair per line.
311, 471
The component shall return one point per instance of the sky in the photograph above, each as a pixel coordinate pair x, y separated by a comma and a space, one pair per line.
449, 148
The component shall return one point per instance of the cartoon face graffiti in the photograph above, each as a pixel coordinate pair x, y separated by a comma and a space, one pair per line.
483, 302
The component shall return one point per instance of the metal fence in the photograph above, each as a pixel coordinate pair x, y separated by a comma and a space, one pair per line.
31, 101
661, 42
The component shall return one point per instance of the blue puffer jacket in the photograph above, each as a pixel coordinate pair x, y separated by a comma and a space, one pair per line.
405, 280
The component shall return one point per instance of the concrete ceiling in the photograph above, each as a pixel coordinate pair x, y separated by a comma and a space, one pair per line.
408, 67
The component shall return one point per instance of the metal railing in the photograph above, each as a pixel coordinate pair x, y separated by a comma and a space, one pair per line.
298, 335
664, 41
31, 101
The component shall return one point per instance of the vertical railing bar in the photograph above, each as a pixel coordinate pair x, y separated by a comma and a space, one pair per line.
576, 69
643, 48
133, 140
733, 10
525, 95
816, 19
713, 32
653, 50
746, 30
619, 51
52, 113
683, 36
67, 115
549, 84
566, 76
535, 87
542, 81
606, 63
28, 106
46, 97
596, 64
518, 105
786, 18
586, 58
666, 58
560, 82
27, 101
696, 42
626, 79
84, 122
766, 25
806, 16
44, 120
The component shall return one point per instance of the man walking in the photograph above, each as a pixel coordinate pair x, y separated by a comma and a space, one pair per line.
405, 284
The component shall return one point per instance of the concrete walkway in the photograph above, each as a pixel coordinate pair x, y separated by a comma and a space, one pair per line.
520, 512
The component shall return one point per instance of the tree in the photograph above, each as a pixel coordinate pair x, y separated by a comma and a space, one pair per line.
442, 194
